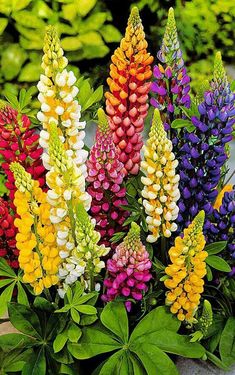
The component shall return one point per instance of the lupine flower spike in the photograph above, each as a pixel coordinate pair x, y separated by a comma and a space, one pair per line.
8, 232
19, 143
126, 102
105, 177
203, 152
58, 105
128, 269
66, 189
186, 271
84, 261
171, 85
160, 190
35, 240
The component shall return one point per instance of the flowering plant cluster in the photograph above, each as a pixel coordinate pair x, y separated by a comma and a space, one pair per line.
131, 230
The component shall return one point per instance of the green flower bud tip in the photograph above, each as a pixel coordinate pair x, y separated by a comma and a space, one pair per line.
82, 216
199, 220
103, 123
157, 125
22, 178
171, 30
219, 71
134, 18
132, 240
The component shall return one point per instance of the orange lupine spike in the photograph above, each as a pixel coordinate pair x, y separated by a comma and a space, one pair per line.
126, 102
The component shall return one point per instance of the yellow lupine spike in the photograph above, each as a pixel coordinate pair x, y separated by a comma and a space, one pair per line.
186, 271
160, 190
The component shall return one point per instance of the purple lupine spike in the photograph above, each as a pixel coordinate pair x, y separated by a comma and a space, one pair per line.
203, 153
105, 177
171, 87
221, 227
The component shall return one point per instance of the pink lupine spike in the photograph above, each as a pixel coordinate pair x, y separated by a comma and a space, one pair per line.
129, 269
105, 177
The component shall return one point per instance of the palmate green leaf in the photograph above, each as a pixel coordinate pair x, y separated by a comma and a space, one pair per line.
5, 297
162, 320
227, 342
85, 298
75, 315
12, 60
172, 342
30, 72
24, 319
87, 320
94, 341
5, 269
15, 360
5, 282
119, 326
117, 237
216, 247
110, 34
155, 361
138, 369
218, 263
64, 309
110, 366
84, 6
71, 43
95, 97
3, 24
42, 304
180, 123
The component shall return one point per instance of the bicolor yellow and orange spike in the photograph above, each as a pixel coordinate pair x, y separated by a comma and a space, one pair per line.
126, 102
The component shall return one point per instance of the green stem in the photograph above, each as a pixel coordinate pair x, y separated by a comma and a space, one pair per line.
230, 177
92, 281
47, 294
164, 250
72, 220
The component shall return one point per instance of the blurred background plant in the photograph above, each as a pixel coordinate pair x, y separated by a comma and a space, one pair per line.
91, 28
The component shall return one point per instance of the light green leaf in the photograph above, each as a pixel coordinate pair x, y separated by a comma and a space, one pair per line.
83, 299
157, 320
114, 317
227, 342
137, 365
216, 247
86, 309
154, 360
91, 38
59, 342
28, 19
5, 297
21, 295
5, 282
94, 341
75, 315
180, 123
30, 72
12, 60
94, 98
84, 6
110, 34
66, 308
3, 24
74, 332
71, 43
218, 263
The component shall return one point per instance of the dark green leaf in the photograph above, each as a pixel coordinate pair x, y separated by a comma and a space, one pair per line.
216, 361
209, 274
36, 365
42, 304
112, 364
5, 297
87, 320
94, 341
216, 247
218, 263
114, 317
117, 237
13, 341
158, 319
227, 343
154, 360
24, 319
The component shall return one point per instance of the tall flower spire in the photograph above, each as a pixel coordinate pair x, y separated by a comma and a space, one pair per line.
203, 152
170, 87
19, 143
58, 105
35, 240
160, 190
84, 261
126, 102
105, 177
128, 269
66, 189
186, 271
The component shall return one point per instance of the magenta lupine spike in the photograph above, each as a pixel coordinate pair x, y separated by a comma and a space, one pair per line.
105, 177
128, 269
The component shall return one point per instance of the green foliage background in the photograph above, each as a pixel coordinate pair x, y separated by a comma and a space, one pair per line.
91, 29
